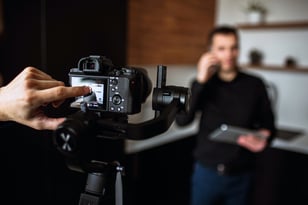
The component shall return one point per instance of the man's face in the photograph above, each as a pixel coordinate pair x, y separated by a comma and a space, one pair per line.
225, 48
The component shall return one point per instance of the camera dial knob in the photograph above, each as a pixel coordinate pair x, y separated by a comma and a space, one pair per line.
116, 99
68, 137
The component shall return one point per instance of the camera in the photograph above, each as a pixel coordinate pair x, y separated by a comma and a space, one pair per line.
113, 89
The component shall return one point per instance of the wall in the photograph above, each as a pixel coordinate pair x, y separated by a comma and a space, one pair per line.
272, 42
292, 100
166, 31
276, 45
278, 10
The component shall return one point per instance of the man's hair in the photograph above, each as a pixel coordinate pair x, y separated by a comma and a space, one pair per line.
225, 30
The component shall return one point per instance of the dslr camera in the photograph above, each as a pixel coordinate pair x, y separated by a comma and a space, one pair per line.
113, 89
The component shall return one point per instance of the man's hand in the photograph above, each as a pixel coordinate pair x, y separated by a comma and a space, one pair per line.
254, 143
206, 67
22, 99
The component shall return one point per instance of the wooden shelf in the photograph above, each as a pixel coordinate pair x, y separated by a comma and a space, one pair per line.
278, 25
276, 68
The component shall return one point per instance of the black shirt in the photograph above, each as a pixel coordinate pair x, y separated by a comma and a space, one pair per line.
242, 102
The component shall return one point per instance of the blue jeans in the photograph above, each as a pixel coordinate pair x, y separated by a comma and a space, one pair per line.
208, 187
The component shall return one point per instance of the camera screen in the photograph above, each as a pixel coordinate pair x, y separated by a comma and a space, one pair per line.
97, 98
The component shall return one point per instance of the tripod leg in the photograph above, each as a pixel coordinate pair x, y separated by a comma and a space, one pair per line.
94, 191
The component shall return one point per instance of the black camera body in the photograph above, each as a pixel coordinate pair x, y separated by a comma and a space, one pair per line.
114, 89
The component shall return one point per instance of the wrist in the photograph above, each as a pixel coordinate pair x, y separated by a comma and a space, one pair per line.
201, 79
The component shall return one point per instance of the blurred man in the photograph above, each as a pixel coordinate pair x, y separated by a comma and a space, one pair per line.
223, 172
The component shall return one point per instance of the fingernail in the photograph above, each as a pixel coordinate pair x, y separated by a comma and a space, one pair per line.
87, 89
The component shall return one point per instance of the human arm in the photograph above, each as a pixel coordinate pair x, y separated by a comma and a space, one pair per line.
205, 71
265, 122
255, 143
206, 67
22, 100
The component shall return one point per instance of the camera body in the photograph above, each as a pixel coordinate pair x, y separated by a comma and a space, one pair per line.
113, 89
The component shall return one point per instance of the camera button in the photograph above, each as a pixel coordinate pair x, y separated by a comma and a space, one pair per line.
112, 108
114, 82
116, 99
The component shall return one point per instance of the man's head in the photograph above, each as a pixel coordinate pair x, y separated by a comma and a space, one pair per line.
223, 42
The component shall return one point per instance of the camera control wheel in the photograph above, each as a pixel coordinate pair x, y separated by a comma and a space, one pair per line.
116, 99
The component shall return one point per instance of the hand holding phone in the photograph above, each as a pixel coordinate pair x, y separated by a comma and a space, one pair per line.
207, 65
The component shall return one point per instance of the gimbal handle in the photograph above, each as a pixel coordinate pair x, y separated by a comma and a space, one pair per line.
142, 130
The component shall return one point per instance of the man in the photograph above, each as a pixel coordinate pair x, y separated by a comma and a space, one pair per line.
223, 172
22, 99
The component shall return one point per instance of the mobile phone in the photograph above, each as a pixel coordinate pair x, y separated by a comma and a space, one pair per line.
214, 68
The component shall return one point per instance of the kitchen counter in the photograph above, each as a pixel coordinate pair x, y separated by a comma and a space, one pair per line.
289, 138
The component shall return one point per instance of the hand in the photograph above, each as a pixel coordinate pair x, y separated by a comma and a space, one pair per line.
206, 67
22, 99
254, 143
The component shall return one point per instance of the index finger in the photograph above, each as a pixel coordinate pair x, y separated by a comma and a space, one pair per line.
60, 93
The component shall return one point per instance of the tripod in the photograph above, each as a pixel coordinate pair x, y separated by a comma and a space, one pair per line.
82, 129
98, 180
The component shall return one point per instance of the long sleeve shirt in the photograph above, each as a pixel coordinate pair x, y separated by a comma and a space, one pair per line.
242, 102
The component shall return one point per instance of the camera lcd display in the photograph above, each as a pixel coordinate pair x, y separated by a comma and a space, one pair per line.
97, 98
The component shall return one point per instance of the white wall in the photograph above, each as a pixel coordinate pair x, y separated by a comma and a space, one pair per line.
291, 109
276, 44
233, 11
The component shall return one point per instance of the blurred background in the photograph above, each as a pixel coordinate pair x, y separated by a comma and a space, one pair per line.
54, 35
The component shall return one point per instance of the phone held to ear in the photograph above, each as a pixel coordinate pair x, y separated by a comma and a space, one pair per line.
214, 68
